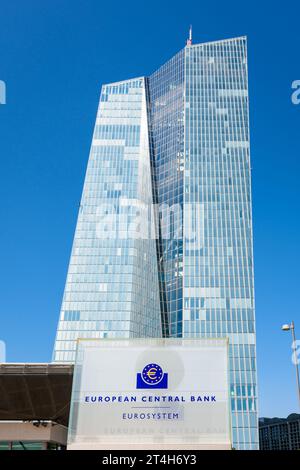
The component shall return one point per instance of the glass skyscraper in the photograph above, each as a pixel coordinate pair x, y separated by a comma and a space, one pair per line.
163, 242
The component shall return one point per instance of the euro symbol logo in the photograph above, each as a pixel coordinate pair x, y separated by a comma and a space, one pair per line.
152, 376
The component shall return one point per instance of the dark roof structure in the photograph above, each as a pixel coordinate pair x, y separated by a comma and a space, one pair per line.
39, 392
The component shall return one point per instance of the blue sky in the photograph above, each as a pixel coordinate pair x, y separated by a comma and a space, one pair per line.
54, 56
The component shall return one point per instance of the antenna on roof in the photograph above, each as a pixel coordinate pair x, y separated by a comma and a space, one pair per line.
189, 41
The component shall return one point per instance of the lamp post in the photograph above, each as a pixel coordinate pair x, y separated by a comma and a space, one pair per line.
291, 328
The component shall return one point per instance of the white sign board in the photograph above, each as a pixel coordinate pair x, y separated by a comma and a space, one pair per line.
150, 394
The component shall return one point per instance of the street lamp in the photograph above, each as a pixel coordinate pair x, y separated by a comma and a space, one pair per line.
291, 327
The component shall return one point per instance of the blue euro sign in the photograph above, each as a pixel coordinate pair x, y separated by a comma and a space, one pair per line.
152, 376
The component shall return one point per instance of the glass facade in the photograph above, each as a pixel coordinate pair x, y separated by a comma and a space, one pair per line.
112, 282
163, 243
166, 109
218, 260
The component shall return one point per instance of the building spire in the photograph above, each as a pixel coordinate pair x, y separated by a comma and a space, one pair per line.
189, 41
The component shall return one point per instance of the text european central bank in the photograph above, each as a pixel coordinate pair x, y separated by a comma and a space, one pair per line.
150, 394
163, 242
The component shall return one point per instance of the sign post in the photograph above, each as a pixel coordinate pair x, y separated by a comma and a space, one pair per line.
150, 394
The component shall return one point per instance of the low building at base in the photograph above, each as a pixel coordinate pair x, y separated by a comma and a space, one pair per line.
120, 394
280, 433
34, 406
